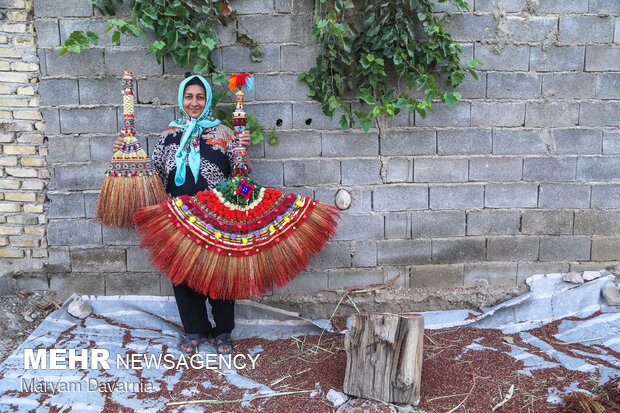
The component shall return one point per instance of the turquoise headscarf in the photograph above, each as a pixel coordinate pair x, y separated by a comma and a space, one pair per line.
192, 129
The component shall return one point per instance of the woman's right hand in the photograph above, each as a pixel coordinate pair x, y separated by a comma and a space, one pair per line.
118, 143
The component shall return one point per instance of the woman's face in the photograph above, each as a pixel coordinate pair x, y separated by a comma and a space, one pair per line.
194, 100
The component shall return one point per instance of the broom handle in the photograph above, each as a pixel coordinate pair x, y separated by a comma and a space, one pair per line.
239, 121
128, 106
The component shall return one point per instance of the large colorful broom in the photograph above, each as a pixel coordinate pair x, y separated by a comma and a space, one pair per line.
240, 239
131, 181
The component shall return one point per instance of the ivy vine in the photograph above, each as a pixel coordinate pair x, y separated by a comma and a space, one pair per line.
369, 50
383, 52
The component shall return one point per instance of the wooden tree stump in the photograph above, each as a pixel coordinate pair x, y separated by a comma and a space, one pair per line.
384, 357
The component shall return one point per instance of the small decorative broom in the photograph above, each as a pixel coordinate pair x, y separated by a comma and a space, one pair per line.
240, 239
131, 181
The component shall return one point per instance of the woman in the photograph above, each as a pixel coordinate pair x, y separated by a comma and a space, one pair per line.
194, 154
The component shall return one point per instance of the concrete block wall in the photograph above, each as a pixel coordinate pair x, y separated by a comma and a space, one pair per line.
518, 178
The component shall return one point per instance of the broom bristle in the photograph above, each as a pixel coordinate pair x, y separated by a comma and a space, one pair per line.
121, 196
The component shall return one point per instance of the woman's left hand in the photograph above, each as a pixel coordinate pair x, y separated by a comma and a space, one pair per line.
244, 138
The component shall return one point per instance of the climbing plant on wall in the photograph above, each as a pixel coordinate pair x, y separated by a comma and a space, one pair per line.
382, 52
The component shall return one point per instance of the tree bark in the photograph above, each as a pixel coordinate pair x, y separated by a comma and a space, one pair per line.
384, 357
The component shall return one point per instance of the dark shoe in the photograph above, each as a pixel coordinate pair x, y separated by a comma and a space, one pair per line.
221, 342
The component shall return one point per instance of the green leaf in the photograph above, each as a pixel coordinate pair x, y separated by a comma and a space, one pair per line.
366, 123
273, 139
92, 37
116, 36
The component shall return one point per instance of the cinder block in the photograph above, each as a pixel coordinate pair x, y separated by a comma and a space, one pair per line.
464, 141
73, 232
311, 116
79, 177
509, 58
162, 91
562, 6
513, 86
493, 222
94, 259
617, 31
605, 196
549, 169
350, 144
490, 273
519, 195
399, 170
234, 57
132, 284
117, 236
59, 260
116, 61
577, 141
99, 120
365, 254
602, 58
47, 33
558, 114
69, 149
597, 222
586, 29
606, 249
279, 115
336, 255
512, 248
138, 260
305, 282
361, 171
253, 6
32, 282
552, 222
397, 225
531, 29
436, 224
564, 195
493, 5
521, 141
311, 172
403, 143
457, 115
100, 91
441, 169
611, 142
145, 41
599, 113
91, 284
150, 119
557, 58
360, 227
400, 198
295, 6
281, 87
360, 199
268, 173
604, 6
295, 28
436, 276
450, 251
403, 252
65, 8
569, 85
298, 58
346, 279
68, 26
456, 196
564, 248
527, 269
608, 86
52, 121
598, 168
495, 169
295, 145
497, 114
101, 146
469, 88
66, 205
470, 27
89, 62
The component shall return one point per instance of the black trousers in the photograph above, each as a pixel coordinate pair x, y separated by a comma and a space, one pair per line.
193, 312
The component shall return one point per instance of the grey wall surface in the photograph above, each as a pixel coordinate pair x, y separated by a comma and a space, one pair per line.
518, 178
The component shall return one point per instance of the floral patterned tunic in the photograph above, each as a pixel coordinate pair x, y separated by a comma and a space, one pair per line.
216, 153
